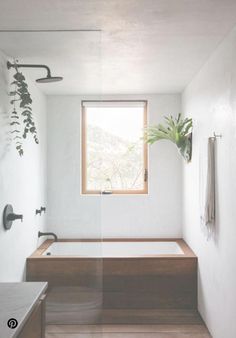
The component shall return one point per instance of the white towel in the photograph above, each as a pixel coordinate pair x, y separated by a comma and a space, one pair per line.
207, 186
209, 212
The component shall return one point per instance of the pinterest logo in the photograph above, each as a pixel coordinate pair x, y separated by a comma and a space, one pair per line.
12, 323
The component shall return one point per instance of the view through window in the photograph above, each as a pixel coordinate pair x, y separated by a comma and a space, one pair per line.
114, 155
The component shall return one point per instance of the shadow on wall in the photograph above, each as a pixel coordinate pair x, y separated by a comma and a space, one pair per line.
5, 128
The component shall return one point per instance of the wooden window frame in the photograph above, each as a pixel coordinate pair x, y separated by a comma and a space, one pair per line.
84, 189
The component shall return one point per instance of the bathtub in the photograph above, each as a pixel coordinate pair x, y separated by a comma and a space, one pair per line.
113, 249
89, 279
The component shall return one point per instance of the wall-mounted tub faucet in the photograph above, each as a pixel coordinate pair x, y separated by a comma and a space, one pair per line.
9, 217
40, 234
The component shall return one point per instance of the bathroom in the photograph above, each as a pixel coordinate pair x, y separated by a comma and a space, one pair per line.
120, 247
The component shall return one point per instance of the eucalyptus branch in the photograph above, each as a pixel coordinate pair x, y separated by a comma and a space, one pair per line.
14, 117
21, 102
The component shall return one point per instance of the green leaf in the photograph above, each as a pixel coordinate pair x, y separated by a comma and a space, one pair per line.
176, 130
19, 77
21, 99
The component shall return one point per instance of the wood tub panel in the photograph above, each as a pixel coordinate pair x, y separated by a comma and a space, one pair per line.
154, 282
65, 271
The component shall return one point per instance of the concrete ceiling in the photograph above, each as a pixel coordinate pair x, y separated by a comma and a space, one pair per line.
145, 46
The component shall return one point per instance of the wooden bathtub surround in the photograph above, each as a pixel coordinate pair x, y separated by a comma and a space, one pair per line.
148, 283
45, 245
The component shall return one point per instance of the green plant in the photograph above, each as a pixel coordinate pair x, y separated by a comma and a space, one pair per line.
22, 118
177, 130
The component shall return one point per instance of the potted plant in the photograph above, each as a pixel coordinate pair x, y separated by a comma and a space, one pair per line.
177, 130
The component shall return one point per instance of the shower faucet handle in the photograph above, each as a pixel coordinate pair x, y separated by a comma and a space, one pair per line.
43, 209
13, 217
38, 211
9, 217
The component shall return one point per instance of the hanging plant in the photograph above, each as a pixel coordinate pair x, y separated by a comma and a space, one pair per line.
177, 130
21, 116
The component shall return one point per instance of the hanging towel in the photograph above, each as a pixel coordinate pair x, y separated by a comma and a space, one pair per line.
209, 208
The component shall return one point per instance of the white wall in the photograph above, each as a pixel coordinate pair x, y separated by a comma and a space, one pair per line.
71, 215
211, 100
22, 183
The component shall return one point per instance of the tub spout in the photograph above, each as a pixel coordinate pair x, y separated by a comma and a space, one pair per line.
40, 234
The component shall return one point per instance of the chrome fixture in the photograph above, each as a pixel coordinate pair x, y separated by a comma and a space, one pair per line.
40, 234
38, 212
9, 217
215, 136
106, 192
48, 79
43, 209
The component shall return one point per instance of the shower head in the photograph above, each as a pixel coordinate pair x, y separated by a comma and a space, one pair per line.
48, 79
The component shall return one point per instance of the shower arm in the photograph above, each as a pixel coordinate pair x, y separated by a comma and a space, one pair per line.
20, 65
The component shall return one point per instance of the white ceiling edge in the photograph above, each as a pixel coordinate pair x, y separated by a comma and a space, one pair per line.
145, 46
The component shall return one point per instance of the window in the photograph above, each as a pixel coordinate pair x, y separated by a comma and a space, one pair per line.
114, 155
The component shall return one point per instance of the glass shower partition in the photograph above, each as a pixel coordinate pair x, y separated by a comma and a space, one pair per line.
76, 214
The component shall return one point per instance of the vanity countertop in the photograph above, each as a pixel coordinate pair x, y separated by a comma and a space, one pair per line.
17, 301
